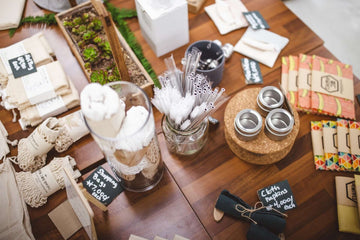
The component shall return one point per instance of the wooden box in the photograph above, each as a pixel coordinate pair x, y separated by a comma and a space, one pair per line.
138, 74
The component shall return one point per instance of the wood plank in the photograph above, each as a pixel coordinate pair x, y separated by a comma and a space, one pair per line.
203, 176
162, 211
183, 201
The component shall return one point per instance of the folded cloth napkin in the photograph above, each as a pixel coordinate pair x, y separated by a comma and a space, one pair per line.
257, 232
261, 45
37, 45
227, 15
47, 82
34, 115
237, 208
103, 109
14, 217
10, 13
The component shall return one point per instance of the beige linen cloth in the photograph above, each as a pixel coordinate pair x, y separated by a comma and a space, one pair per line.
10, 13
227, 15
37, 45
34, 115
261, 45
14, 217
48, 82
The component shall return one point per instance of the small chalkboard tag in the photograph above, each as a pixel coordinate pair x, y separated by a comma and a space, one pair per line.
278, 195
256, 20
102, 186
252, 71
22, 65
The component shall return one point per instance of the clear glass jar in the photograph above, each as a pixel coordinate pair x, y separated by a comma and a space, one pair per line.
134, 157
185, 142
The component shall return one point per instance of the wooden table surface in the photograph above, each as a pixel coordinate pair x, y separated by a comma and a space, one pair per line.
183, 201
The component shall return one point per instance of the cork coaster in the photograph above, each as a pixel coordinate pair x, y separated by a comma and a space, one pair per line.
262, 150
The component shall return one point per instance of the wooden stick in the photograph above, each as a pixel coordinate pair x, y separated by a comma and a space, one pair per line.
91, 199
115, 45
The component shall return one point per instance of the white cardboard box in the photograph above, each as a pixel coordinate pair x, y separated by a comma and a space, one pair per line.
164, 24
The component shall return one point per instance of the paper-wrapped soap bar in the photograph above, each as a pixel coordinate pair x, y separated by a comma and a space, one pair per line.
304, 82
330, 145
332, 88
292, 93
317, 143
348, 216
354, 131
345, 162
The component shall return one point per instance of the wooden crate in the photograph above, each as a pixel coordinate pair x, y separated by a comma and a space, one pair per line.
148, 83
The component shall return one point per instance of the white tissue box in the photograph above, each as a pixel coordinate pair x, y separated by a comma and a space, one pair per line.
164, 24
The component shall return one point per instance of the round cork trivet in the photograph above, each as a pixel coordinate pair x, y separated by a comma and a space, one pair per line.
261, 150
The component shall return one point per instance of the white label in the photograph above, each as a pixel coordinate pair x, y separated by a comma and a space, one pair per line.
38, 86
10, 52
332, 85
354, 141
316, 137
51, 107
46, 181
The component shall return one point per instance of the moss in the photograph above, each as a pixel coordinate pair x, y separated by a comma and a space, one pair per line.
118, 15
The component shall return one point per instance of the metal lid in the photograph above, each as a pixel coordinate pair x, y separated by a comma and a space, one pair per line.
279, 123
270, 97
248, 123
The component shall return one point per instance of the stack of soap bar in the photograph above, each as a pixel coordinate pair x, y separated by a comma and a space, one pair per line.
323, 86
336, 145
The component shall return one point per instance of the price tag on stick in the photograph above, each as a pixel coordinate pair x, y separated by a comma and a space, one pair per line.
102, 186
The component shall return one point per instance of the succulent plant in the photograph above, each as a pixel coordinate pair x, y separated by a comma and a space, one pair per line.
99, 76
95, 24
88, 35
91, 54
77, 21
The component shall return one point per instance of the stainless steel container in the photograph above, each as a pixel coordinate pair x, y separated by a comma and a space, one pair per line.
269, 98
248, 124
278, 124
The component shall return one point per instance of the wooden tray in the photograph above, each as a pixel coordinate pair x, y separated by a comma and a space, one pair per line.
261, 150
146, 85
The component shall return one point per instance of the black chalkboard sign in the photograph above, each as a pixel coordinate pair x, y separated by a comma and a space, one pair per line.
22, 65
278, 195
256, 20
252, 71
102, 186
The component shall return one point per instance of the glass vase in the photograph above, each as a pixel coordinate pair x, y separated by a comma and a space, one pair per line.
133, 157
185, 142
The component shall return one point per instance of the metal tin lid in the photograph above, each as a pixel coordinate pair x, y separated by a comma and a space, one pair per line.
279, 123
269, 98
248, 122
